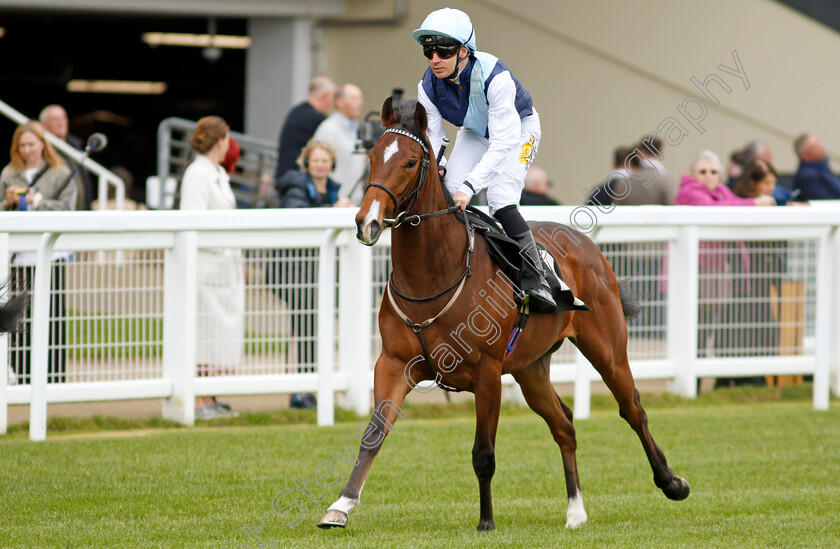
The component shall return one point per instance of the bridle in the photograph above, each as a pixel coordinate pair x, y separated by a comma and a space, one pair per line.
413, 192
414, 220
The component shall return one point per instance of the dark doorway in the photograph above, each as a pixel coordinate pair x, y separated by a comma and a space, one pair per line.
42, 52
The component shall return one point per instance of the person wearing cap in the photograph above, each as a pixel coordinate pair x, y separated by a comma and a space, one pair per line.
499, 131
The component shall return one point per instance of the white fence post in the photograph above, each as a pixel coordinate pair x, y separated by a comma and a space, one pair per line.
825, 330
834, 349
583, 386
683, 289
4, 338
40, 338
326, 327
355, 324
179, 327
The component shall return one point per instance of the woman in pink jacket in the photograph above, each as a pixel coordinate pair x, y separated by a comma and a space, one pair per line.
704, 186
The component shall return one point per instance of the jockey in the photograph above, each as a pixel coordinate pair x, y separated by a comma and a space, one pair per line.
499, 131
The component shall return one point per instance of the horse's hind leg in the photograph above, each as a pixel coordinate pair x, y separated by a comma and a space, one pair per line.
390, 390
541, 397
604, 344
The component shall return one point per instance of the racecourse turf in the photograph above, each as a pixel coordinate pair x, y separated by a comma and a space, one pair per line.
764, 472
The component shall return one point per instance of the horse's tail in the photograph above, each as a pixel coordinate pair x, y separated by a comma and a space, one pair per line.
630, 300
11, 311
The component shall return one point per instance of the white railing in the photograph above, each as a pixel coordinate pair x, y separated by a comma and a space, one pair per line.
151, 349
106, 177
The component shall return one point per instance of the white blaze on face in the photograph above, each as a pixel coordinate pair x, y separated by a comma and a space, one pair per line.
372, 215
391, 149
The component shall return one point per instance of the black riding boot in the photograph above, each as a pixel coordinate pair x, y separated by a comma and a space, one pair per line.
533, 280
533, 276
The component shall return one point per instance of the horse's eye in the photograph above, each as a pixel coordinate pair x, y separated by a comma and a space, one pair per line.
411, 163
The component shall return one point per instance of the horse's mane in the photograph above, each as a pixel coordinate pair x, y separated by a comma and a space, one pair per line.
404, 109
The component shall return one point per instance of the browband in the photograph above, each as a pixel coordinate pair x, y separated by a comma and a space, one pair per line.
408, 134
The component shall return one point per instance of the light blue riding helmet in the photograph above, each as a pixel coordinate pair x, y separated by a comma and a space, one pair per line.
448, 22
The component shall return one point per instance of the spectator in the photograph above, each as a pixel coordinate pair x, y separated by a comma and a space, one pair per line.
751, 318
649, 180
599, 195
704, 187
231, 157
761, 151
735, 167
341, 130
536, 189
757, 178
54, 119
311, 187
814, 178
302, 121
292, 275
220, 329
37, 179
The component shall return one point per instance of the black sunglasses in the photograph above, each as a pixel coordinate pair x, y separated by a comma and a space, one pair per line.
443, 51
703, 172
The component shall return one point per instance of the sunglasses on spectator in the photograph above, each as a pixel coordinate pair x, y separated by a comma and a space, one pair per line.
704, 172
443, 51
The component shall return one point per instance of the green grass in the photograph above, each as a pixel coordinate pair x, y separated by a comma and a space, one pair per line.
104, 336
763, 466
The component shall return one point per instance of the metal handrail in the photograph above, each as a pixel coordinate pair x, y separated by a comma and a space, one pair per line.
257, 158
106, 177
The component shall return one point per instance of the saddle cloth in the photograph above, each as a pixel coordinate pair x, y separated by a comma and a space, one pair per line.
506, 253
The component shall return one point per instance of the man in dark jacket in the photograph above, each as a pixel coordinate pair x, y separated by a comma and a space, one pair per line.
814, 178
54, 119
301, 123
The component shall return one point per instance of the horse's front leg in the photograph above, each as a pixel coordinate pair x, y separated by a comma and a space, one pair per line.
390, 389
488, 397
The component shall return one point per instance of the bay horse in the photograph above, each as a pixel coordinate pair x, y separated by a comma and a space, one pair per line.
428, 254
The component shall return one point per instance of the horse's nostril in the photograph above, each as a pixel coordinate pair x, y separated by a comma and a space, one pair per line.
374, 227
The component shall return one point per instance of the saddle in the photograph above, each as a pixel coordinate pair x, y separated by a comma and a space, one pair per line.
506, 253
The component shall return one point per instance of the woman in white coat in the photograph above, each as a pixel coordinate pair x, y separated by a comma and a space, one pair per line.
220, 328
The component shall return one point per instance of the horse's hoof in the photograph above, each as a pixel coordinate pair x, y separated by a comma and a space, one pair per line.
486, 525
576, 520
333, 518
677, 490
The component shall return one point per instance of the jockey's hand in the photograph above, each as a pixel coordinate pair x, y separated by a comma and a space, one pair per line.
442, 172
462, 199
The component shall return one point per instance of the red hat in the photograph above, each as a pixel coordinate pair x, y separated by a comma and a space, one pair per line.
232, 156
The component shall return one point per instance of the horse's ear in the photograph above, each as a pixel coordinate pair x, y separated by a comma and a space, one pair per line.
389, 117
420, 117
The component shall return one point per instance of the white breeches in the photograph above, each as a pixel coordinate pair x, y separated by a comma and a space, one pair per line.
506, 186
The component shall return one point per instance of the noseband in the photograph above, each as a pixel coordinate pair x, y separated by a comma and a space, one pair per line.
415, 190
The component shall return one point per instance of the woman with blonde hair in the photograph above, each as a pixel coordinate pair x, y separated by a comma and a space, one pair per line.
36, 178
293, 276
220, 330
311, 186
